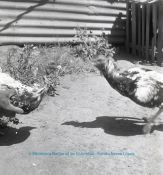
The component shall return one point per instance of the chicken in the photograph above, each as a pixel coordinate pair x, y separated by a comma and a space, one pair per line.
18, 98
143, 86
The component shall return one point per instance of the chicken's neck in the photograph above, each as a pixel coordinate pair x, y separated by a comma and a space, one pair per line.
111, 70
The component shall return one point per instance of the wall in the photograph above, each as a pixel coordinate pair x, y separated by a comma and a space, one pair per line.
40, 21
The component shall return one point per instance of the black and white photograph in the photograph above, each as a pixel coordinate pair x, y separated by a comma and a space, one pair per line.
81, 87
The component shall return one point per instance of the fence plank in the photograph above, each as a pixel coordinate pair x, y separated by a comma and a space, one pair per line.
139, 29
143, 30
133, 7
127, 26
147, 32
154, 23
160, 34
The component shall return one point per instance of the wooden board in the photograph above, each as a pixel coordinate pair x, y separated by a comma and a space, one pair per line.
147, 32
133, 8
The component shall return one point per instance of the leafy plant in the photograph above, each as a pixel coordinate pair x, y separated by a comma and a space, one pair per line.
91, 45
24, 65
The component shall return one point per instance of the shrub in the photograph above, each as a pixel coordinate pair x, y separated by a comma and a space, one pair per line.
91, 45
24, 65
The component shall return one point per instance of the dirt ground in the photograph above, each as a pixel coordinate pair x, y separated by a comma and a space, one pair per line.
88, 129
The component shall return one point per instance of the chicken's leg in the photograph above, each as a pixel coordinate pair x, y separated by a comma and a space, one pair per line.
147, 128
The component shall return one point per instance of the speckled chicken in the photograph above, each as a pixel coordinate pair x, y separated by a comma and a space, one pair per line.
143, 86
18, 98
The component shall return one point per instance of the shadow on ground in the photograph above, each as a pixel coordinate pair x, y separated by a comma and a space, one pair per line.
118, 126
14, 136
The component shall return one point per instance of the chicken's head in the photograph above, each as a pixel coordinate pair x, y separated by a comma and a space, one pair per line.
28, 101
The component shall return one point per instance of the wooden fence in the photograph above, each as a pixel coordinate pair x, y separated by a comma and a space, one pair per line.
142, 26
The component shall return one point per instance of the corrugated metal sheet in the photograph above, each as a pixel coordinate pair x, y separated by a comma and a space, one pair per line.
47, 21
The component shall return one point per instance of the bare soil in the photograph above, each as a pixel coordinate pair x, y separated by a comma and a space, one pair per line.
87, 116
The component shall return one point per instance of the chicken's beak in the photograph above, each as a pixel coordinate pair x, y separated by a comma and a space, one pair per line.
42, 90
39, 93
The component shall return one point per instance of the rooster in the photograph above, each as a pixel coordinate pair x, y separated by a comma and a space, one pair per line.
143, 86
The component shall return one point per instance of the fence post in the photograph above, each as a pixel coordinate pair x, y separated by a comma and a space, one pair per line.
160, 34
